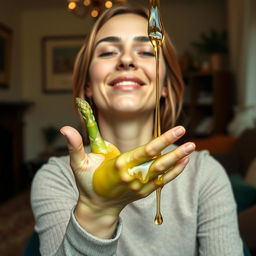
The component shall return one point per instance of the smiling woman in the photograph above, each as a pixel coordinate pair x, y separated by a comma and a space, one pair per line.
88, 203
124, 62
173, 92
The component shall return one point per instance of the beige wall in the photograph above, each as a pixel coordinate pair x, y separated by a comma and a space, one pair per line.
184, 21
10, 17
49, 109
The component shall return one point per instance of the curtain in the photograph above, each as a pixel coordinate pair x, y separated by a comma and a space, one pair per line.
242, 45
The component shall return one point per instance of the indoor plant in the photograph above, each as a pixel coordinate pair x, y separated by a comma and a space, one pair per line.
214, 45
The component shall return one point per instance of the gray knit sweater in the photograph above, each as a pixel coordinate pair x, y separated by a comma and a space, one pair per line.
198, 209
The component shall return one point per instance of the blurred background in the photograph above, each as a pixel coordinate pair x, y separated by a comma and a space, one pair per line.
216, 46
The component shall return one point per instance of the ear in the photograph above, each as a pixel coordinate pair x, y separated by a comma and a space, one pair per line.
164, 92
88, 91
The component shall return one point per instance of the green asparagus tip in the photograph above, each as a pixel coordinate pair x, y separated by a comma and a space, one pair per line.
84, 108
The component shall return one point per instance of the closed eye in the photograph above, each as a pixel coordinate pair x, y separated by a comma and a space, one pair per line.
107, 54
147, 54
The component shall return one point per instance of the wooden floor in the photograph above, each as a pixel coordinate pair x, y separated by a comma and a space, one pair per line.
16, 224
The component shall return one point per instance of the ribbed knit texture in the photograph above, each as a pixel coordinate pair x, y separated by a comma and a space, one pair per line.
198, 209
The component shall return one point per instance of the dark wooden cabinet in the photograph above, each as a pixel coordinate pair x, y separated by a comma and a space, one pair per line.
208, 103
11, 150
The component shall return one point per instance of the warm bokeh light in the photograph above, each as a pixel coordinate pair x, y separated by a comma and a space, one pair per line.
72, 5
81, 8
94, 13
108, 4
87, 2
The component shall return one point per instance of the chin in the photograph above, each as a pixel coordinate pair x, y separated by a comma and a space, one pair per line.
126, 104
131, 110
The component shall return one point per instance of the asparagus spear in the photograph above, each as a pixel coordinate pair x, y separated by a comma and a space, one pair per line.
100, 146
97, 143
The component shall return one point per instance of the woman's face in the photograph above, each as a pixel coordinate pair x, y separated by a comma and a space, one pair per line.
123, 68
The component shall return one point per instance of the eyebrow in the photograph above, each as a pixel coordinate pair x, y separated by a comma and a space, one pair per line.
141, 39
115, 39
112, 39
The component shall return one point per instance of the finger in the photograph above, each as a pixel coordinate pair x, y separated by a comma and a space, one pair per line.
165, 162
165, 178
78, 157
151, 149
174, 172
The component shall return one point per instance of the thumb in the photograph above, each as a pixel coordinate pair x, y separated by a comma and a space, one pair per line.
78, 157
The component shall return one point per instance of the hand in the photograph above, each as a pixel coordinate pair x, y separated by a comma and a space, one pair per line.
106, 183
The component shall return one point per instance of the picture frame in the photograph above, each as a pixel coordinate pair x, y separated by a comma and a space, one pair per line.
6, 36
58, 57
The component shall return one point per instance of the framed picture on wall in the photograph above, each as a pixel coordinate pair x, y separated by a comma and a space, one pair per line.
58, 56
5, 56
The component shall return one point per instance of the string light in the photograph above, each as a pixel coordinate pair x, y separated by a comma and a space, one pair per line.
87, 2
108, 4
83, 8
94, 13
72, 5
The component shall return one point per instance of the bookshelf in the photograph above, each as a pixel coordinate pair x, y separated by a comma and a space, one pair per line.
208, 103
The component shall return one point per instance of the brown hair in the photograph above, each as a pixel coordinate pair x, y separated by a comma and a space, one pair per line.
171, 105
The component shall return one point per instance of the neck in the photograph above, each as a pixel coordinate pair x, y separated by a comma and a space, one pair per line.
126, 134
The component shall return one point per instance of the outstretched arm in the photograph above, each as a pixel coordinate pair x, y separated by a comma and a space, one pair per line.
101, 189
106, 184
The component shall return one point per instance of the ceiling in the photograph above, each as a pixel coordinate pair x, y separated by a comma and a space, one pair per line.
41, 3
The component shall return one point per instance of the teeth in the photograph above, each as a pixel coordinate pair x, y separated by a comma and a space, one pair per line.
127, 83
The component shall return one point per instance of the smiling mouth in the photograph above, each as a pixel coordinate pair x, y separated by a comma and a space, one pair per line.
124, 82
127, 85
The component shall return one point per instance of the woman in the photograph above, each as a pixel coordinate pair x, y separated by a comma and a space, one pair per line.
115, 70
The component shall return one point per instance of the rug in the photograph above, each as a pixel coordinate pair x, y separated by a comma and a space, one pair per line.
16, 224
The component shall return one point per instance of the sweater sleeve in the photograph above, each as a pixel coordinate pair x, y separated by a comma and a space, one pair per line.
217, 216
53, 198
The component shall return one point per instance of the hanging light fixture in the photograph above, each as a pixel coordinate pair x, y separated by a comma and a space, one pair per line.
93, 8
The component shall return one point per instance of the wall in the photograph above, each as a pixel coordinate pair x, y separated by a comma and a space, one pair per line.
242, 27
49, 109
250, 59
242, 31
184, 21
10, 17
251, 92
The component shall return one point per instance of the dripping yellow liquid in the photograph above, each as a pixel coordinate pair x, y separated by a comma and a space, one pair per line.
156, 36
158, 217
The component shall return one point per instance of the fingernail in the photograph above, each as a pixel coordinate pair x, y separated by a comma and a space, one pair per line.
178, 131
62, 132
189, 148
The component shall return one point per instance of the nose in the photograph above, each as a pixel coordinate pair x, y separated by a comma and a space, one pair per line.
127, 62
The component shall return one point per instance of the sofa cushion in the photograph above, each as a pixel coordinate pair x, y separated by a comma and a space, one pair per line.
242, 153
244, 150
245, 194
250, 177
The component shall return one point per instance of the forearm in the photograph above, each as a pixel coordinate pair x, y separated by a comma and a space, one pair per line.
78, 241
98, 221
54, 197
